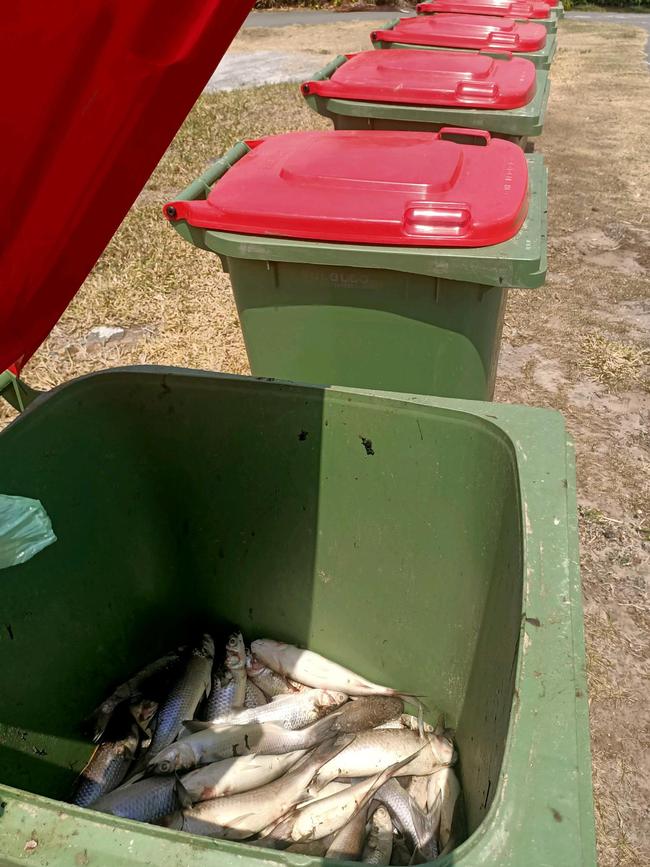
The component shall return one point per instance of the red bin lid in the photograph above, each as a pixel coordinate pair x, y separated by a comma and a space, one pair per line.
95, 91
431, 78
480, 32
506, 8
359, 187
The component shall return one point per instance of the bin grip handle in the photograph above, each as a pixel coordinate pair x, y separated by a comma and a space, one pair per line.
200, 188
464, 132
327, 71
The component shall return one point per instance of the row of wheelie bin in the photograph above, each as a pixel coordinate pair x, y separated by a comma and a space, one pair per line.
396, 236
376, 507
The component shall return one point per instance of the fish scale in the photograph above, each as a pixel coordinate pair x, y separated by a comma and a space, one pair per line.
184, 698
106, 769
144, 801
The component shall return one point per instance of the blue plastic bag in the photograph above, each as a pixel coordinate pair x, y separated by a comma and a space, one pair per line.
25, 529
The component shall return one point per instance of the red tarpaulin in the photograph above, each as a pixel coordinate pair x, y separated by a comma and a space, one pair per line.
93, 93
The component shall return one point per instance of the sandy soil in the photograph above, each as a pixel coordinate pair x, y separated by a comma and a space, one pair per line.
580, 344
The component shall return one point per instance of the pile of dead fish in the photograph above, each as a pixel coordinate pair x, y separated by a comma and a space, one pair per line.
276, 746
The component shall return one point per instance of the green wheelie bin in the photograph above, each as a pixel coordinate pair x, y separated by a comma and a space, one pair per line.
428, 90
488, 34
373, 259
424, 542
537, 11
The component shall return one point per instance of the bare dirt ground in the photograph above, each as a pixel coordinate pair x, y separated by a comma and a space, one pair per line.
581, 344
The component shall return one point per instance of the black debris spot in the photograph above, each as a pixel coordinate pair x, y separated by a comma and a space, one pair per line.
579, 693
534, 621
10, 631
556, 814
250, 612
302, 436
235, 754
367, 444
420, 429
248, 746
487, 794
3, 807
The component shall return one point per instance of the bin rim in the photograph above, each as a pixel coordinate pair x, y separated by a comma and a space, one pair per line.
551, 625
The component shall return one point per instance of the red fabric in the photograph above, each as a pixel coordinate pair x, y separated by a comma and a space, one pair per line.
93, 94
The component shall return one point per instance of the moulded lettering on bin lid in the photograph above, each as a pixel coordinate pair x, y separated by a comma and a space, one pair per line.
506, 8
431, 78
95, 91
479, 32
359, 187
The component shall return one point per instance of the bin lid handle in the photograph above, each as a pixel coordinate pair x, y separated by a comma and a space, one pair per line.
455, 132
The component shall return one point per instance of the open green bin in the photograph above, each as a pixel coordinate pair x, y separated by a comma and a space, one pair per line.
396, 316
418, 90
475, 33
424, 542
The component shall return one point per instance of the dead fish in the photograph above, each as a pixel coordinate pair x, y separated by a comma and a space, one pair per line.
315, 670
408, 721
347, 844
240, 816
374, 750
291, 711
270, 682
401, 856
106, 769
236, 666
210, 743
131, 690
231, 776
222, 694
329, 815
254, 696
144, 801
143, 711
191, 685
328, 789
417, 789
315, 848
368, 712
379, 844
443, 787
418, 827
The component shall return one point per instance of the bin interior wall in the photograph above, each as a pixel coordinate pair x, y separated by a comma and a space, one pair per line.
183, 502
369, 328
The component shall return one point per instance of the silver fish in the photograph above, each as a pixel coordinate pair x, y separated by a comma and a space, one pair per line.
374, 750
144, 801
222, 694
270, 682
417, 826
315, 848
240, 816
315, 670
443, 788
401, 855
379, 844
183, 700
291, 711
131, 690
417, 789
316, 794
368, 712
106, 769
143, 712
254, 696
347, 844
231, 776
329, 815
210, 743
408, 721
236, 665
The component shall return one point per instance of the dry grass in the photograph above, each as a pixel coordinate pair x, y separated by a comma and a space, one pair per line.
613, 361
